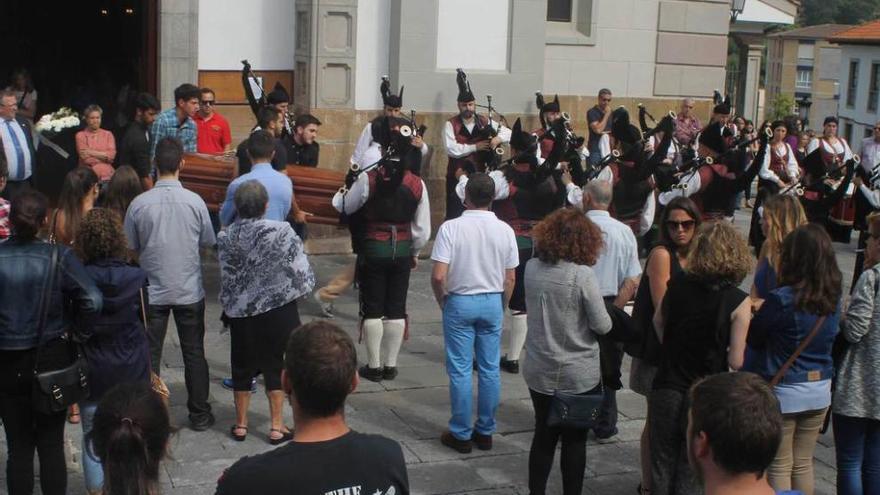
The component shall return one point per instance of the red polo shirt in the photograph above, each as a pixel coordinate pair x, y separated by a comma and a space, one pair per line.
214, 133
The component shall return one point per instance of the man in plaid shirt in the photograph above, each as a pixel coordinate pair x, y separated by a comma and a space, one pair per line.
177, 122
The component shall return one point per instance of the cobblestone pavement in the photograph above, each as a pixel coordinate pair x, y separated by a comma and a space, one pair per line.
413, 409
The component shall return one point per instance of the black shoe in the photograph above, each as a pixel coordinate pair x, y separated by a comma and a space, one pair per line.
238, 438
201, 423
389, 373
605, 434
510, 366
461, 446
372, 374
483, 442
286, 436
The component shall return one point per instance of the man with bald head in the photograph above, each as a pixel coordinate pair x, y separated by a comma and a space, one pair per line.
618, 271
687, 125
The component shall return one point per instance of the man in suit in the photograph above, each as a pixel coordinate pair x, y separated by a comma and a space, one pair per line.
16, 137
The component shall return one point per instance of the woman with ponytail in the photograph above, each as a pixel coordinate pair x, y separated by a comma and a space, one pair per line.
130, 435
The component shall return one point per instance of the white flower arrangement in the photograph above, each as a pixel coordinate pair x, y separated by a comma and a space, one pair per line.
53, 123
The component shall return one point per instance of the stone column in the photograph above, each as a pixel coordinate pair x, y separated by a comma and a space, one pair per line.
178, 46
325, 54
751, 58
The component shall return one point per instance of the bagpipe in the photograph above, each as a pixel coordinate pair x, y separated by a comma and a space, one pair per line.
801, 186
262, 101
665, 124
693, 166
606, 160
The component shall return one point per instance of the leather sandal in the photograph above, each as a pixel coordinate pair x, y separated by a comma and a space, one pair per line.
286, 436
238, 438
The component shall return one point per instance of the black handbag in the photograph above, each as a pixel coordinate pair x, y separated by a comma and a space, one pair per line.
54, 390
576, 411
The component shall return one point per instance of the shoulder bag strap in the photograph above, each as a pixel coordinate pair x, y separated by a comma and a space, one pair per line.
804, 343
45, 302
53, 238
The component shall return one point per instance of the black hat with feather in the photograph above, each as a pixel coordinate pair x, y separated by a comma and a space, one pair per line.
714, 136
622, 129
390, 99
465, 94
521, 141
278, 95
543, 106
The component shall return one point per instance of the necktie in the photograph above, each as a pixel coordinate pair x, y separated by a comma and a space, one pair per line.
19, 171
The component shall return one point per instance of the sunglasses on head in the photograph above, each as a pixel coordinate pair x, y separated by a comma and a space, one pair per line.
685, 224
207, 102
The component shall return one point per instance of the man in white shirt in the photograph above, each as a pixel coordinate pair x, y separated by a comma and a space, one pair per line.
391, 221
467, 142
618, 271
475, 257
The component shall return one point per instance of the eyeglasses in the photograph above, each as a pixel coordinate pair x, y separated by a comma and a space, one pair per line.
208, 102
683, 225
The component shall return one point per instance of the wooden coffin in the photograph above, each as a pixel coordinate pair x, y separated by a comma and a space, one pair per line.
208, 176
313, 189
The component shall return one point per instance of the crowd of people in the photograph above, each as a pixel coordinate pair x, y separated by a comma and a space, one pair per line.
548, 243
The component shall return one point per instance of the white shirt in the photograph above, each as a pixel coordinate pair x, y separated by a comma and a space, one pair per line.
502, 186
458, 150
575, 197
870, 154
367, 151
478, 248
791, 167
357, 197
620, 257
840, 147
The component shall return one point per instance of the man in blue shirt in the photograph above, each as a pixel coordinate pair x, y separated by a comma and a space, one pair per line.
261, 149
177, 122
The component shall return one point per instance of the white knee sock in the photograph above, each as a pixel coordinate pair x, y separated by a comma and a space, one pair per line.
392, 341
373, 341
518, 330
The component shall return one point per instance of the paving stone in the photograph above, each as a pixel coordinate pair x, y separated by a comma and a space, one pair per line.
445, 477
432, 450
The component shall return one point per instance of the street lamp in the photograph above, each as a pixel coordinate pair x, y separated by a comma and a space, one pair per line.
736, 8
804, 105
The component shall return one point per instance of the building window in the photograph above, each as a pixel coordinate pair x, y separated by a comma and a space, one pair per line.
570, 22
559, 10
853, 83
873, 89
804, 79
848, 131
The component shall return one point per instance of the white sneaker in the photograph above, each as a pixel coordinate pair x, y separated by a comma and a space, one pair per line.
326, 307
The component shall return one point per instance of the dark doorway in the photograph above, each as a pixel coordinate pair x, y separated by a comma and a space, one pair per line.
82, 52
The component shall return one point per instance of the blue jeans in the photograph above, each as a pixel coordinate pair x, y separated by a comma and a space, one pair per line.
857, 442
93, 471
472, 324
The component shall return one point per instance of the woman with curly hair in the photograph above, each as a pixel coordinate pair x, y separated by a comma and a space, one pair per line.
566, 313
118, 350
702, 324
809, 289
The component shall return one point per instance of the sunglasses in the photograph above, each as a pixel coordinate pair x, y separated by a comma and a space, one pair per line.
208, 102
684, 225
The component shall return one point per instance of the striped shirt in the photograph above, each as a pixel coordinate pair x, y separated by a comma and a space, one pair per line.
167, 125
12, 134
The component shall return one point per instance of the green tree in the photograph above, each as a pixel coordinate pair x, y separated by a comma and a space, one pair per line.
781, 106
838, 11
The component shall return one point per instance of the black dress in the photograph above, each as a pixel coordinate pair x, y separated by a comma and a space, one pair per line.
52, 167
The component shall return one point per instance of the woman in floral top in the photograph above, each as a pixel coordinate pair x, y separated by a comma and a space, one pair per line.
263, 272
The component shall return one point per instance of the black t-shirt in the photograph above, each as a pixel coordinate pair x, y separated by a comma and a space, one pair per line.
697, 331
351, 464
302, 154
134, 149
595, 115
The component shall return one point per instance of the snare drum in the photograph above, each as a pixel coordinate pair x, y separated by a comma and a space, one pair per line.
844, 212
